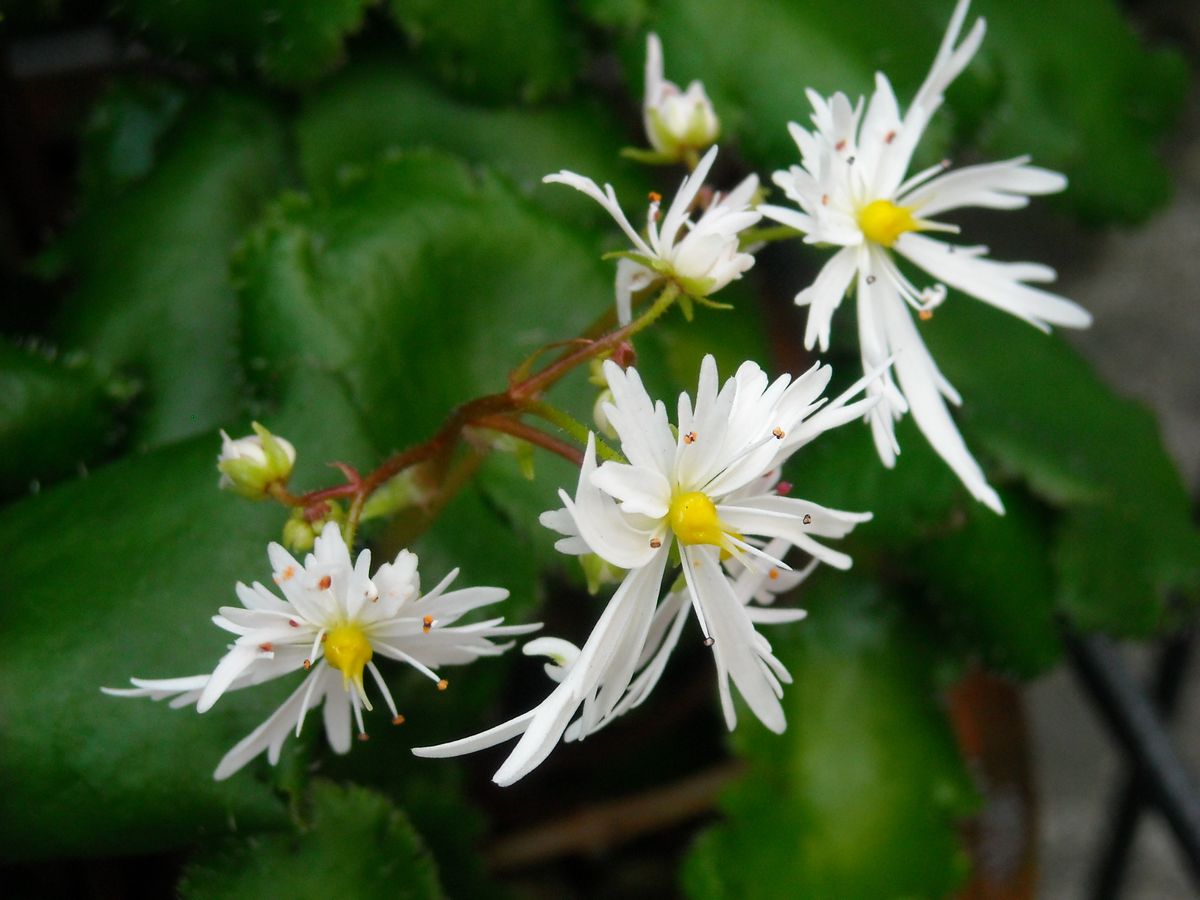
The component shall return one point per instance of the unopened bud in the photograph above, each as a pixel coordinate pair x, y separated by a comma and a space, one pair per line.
598, 572
679, 124
251, 464
301, 529
602, 424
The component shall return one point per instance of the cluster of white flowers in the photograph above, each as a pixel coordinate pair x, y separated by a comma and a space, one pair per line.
698, 503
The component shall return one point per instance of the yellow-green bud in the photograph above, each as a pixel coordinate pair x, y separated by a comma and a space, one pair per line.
602, 424
299, 533
251, 464
598, 572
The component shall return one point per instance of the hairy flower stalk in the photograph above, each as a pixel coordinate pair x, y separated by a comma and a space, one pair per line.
852, 192
703, 493
334, 620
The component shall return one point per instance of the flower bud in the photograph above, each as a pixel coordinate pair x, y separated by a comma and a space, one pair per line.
602, 424
300, 531
250, 465
599, 572
679, 124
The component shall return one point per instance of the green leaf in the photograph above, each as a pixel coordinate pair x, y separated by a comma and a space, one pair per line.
289, 41
927, 531
124, 135
1090, 107
109, 577
381, 105
526, 50
1037, 408
357, 845
993, 586
433, 791
153, 297
57, 415
860, 796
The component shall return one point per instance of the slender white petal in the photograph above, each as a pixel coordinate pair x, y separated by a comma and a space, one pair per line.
825, 295
737, 647
999, 185
550, 720
1000, 284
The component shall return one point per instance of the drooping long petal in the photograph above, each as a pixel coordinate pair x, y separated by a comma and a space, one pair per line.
919, 380
825, 294
552, 716
738, 649
271, 734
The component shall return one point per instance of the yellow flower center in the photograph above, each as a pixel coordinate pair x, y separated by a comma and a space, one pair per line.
883, 222
348, 650
694, 520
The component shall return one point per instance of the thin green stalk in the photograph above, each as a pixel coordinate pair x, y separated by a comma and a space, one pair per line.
573, 427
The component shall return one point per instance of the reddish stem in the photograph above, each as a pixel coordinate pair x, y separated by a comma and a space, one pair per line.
532, 435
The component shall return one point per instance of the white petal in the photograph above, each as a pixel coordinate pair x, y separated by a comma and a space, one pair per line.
639, 490
918, 379
825, 295
678, 211
337, 712
601, 523
490, 738
998, 185
736, 645
269, 735
553, 714
997, 283
949, 62
642, 426
606, 198
232, 664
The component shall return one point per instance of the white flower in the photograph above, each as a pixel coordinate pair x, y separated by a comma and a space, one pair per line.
679, 124
709, 487
249, 465
699, 257
852, 193
334, 619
